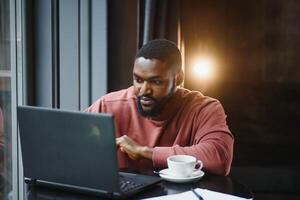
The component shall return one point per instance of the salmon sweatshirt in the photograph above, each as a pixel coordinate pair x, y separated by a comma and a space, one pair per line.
190, 123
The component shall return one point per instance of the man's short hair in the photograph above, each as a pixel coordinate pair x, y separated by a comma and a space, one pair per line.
163, 50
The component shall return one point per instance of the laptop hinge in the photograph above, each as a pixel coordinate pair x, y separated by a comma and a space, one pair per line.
30, 181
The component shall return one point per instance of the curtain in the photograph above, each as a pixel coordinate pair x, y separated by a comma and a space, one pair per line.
158, 19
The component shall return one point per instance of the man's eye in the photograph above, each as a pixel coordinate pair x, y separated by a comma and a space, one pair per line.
138, 80
157, 82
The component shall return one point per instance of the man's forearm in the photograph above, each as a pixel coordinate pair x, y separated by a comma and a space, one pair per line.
216, 157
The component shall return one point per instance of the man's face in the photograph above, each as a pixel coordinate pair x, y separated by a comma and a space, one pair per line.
154, 84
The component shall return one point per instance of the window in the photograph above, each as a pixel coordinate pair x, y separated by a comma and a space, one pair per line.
15, 56
5, 102
10, 58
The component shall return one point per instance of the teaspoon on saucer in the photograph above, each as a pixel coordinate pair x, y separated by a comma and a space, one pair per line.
156, 172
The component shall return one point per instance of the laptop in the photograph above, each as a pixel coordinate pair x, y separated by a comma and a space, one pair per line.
76, 151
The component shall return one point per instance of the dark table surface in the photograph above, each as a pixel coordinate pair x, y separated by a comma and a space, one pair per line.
212, 182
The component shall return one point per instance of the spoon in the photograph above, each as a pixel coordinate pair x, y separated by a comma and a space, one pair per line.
156, 172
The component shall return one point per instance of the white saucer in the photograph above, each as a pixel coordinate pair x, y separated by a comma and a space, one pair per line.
167, 175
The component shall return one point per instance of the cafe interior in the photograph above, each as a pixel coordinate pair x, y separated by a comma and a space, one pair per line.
66, 54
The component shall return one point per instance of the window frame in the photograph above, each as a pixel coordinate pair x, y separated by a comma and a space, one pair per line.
17, 60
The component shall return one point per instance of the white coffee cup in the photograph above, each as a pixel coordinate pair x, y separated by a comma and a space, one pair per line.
183, 165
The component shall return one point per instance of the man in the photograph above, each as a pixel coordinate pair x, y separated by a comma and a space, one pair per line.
156, 118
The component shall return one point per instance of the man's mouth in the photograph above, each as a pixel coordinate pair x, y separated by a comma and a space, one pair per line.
147, 102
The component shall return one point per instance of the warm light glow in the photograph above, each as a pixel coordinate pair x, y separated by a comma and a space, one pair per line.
204, 68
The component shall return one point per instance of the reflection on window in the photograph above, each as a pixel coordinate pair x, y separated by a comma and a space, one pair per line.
5, 102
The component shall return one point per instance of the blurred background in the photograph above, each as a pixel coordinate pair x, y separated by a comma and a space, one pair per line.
65, 54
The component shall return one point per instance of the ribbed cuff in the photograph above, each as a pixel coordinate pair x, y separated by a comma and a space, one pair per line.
160, 155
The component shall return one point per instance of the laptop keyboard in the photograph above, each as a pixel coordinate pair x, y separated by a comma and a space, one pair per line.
128, 185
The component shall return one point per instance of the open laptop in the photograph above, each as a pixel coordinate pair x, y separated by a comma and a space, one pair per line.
74, 150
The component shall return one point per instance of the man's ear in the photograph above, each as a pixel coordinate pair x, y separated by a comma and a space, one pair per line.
179, 78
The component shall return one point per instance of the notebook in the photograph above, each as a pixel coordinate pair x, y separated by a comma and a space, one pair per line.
76, 151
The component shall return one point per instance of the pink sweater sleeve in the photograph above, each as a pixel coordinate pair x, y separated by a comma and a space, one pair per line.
213, 143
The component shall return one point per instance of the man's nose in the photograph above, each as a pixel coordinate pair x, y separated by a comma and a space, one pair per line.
145, 89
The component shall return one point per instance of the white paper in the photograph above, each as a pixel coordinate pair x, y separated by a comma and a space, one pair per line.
205, 194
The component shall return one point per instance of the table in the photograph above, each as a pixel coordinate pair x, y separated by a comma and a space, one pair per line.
212, 182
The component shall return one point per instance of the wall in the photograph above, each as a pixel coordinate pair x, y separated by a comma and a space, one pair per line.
255, 44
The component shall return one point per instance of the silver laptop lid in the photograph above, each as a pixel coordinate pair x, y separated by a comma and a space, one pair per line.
69, 147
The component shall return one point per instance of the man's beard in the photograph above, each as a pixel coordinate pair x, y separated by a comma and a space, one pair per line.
157, 109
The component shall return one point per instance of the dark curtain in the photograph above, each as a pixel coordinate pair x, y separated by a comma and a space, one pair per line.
158, 19
130, 25
122, 29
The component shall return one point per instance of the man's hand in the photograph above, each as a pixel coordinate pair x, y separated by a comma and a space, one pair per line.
133, 149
